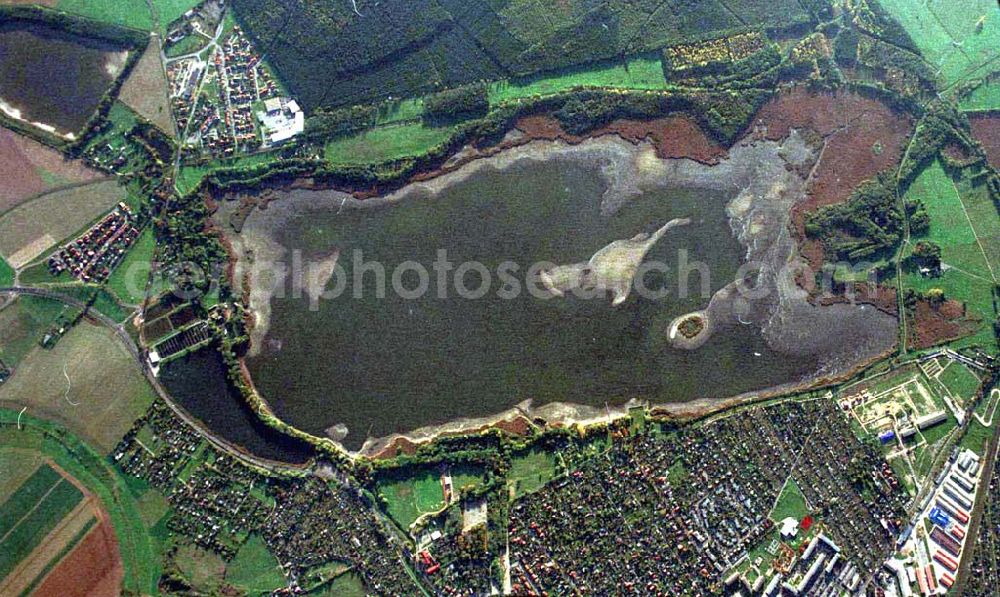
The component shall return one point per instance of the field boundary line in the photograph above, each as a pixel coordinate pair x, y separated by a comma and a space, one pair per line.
986, 257
30, 512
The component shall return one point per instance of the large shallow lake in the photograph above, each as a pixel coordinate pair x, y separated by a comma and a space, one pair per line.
52, 77
392, 364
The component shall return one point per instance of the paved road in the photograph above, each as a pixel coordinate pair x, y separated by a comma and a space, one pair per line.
139, 356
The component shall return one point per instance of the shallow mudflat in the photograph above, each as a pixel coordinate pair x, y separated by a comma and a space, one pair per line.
377, 365
54, 79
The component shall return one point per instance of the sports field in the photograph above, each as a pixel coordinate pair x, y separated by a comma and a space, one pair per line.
959, 38
531, 470
32, 228
386, 143
88, 382
965, 223
407, 499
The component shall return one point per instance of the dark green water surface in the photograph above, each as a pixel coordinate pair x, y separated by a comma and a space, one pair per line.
384, 365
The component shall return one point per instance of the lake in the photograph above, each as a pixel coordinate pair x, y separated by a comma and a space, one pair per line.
198, 383
53, 77
393, 364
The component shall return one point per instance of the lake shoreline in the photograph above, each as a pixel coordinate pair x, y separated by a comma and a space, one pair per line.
635, 161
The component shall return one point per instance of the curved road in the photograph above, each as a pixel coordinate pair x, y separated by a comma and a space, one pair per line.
138, 356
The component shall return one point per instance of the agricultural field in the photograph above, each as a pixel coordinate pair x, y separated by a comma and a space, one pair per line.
31, 168
984, 98
24, 322
128, 281
254, 569
168, 11
396, 48
32, 228
408, 499
204, 569
986, 130
88, 382
636, 73
127, 14
42, 520
6, 274
958, 39
964, 223
95, 565
386, 143
146, 90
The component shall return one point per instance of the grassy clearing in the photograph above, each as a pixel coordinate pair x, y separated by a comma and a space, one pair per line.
98, 297
254, 569
6, 273
345, 585
88, 382
984, 98
961, 382
191, 176
977, 436
32, 228
408, 498
128, 281
31, 513
399, 111
791, 503
959, 212
531, 471
140, 552
952, 36
116, 12
204, 569
636, 73
386, 143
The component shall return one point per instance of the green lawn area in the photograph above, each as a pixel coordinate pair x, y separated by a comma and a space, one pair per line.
984, 98
977, 436
23, 324
170, 10
959, 380
959, 212
254, 569
345, 585
128, 281
408, 498
398, 111
531, 470
637, 73
386, 143
140, 552
103, 301
950, 36
133, 13
31, 513
190, 176
791, 503
6, 273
